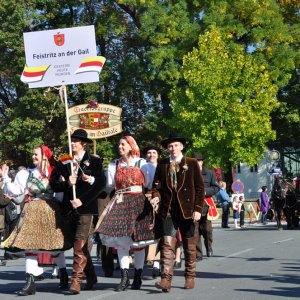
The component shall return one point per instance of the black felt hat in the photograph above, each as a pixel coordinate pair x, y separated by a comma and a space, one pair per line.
152, 147
81, 134
198, 156
172, 139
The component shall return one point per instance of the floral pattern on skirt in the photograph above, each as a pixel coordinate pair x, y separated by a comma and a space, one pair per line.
132, 217
39, 228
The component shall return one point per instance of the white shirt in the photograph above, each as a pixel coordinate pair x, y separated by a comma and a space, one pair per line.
18, 186
148, 170
178, 159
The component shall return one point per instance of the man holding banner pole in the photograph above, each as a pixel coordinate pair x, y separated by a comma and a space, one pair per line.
88, 178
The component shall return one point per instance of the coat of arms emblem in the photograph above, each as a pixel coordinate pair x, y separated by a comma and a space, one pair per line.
59, 39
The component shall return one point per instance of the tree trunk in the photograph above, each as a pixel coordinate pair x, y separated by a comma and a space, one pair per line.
228, 177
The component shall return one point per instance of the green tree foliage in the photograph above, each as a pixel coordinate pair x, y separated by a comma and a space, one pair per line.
143, 45
270, 30
226, 104
260, 27
286, 119
144, 42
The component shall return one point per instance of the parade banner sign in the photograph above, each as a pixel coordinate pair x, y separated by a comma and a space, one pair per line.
61, 57
99, 120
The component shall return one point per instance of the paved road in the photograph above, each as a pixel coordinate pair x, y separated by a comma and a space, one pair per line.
258, 262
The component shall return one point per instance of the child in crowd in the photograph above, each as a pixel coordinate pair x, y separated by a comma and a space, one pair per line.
235, 207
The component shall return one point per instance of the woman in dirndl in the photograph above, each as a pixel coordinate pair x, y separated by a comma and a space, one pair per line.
128, 222
39, 228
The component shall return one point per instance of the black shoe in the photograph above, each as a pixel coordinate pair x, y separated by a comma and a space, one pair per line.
227, 226
64, 279
108, 273
90, 283
39, 277
155, 272
29, 288
177, 265
137, 281
54, 277
123, 285
10, 256
209, 253
199, 258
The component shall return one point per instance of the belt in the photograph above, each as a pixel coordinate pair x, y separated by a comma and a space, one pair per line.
131, 189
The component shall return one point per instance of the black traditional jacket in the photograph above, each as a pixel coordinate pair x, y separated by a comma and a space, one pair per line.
87, 193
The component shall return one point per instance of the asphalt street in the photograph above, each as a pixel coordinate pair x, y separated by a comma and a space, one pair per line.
258, 262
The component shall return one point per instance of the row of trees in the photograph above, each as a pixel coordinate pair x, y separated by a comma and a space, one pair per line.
223, 73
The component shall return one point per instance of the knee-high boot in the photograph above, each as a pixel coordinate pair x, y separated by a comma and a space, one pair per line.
189, 246
167, 259
29, 288
79, 264
137, 281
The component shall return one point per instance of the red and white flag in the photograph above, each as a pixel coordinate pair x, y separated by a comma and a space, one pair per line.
66, 159
33, 74
91, 64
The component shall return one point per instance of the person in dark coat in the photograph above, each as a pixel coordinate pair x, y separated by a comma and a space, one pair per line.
178, 187
88, 179
205, 226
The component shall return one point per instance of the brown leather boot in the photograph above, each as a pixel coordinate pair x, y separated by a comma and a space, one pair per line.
167, 261
75, 286
165, 284
189, 246
189, 283
79, 264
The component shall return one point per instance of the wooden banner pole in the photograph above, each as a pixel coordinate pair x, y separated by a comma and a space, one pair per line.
64, 88
95, 144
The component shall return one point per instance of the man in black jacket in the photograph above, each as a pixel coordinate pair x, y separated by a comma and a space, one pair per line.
88, 179
205, 227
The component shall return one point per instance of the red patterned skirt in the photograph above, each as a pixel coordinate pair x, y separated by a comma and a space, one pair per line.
132, 218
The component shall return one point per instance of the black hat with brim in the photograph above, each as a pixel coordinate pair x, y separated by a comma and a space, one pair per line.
152, 147
172, 139
81, 134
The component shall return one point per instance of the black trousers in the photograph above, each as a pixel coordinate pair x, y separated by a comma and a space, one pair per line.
186, 227
242, 218
205, 230
175, 221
